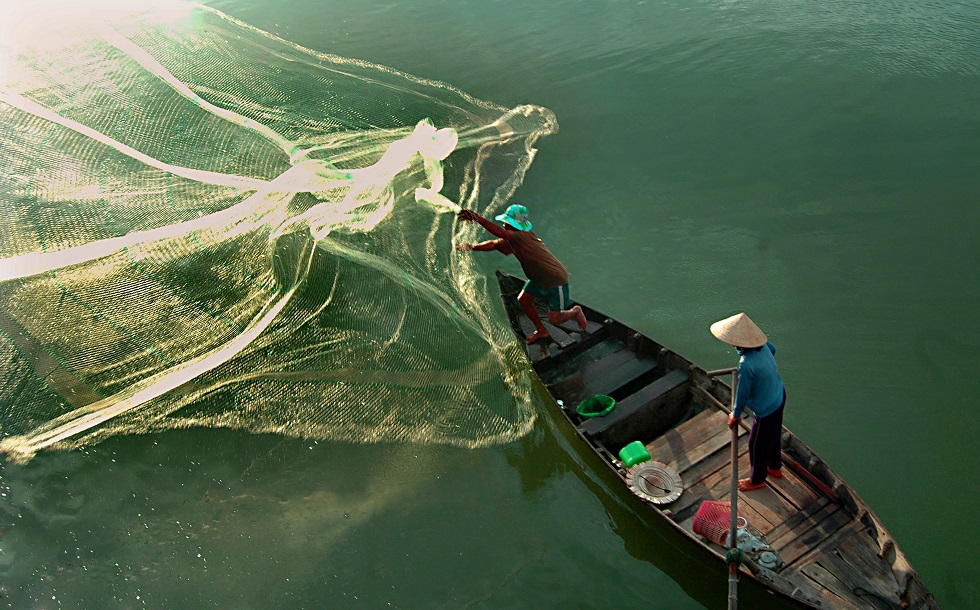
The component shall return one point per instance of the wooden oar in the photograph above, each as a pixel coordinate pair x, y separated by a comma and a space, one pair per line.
732, 528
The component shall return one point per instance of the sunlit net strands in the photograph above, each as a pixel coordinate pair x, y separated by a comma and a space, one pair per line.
207, 225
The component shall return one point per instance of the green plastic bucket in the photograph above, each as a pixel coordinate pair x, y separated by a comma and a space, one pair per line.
634, 453
596, 406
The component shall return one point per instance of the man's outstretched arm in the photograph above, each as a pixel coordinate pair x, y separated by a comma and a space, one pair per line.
485, 246
495, 229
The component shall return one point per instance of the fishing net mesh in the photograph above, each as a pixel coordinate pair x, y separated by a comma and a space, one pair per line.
206, 225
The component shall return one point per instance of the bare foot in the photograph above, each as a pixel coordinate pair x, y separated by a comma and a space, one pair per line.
580, 318
537, 335
748, 485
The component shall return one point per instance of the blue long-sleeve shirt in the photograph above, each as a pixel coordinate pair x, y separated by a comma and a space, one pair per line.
760, 388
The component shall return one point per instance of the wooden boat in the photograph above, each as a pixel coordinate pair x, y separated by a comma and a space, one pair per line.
830, 550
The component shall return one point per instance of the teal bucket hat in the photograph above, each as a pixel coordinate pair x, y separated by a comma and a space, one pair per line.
516, 216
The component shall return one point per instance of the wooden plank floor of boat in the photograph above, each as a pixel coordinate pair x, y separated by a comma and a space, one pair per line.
793, 517
823, 548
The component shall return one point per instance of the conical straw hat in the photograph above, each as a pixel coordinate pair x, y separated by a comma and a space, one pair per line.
739, 331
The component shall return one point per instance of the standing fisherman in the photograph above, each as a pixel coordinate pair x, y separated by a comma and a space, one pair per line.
760, 388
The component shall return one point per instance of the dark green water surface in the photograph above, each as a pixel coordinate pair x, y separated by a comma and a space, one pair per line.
815, 164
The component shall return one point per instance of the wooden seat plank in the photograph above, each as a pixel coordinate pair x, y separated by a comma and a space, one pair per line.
582, 376
567, 362
636, 401
618, 376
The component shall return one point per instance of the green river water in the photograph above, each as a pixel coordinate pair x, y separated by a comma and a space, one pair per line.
816, 165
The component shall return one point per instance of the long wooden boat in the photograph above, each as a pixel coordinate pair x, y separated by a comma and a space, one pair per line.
809, 537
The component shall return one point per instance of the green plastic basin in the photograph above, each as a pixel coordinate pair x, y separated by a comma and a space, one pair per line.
596, 406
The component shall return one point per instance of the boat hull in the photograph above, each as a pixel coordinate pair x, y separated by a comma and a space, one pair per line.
813, 541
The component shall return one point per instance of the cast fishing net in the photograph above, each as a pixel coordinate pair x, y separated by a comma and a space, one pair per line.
206, 225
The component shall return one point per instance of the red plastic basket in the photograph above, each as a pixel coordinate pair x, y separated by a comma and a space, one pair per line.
713, 520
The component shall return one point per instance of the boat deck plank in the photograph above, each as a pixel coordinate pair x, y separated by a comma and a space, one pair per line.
702, 459
764, 508
854, 562
564, 334
791, 516
766, 501
808, 517
846, 563
836, 593
794, 489
719, 460
760, 519
700, 478
558, 334
794, 547
693, 441
815, 590
700, 490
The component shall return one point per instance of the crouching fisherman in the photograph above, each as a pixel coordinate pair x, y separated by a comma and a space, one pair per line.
547, 277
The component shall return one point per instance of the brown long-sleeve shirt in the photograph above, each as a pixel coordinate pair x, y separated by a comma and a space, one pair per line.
538, 263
